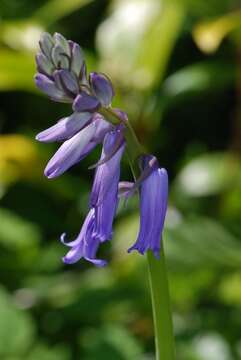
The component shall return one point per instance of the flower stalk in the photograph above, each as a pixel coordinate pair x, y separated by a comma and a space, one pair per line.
161, 308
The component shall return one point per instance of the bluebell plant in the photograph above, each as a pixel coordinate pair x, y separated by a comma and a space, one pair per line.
62, 75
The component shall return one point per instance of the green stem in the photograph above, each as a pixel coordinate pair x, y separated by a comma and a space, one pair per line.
164, 339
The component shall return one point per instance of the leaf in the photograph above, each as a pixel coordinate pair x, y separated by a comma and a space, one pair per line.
194, 242
17, 329
18, 156
209, 174
110, 342
44, 352
199, 78
158, 42
16, 233
208, 35
201, 242
137, 40
54, 10
16, 71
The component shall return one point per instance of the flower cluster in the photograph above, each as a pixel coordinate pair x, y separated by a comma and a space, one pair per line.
62, 76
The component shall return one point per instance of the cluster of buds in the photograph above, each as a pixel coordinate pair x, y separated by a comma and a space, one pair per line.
62, 76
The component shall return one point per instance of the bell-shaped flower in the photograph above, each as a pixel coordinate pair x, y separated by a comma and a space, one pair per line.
77, 147
102, 88
65, 128
104, 195
85, 245
153, 207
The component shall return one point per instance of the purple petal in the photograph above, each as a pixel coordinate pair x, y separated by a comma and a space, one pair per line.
102, 128
154, 196
104, 195
70, 152
85, 245
119, 141
65, 128
102, 88
85, 102
48, 87
77, 59
67, 82
109, 172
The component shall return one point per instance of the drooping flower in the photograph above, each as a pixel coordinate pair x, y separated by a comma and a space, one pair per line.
104, 195
77, 147
65, 128
85, 245
153, 206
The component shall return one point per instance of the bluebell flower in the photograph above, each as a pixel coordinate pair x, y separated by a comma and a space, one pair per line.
77, 147
62, 75
104, 194
153, 207
85, 245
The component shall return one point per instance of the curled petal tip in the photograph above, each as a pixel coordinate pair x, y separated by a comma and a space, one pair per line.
62, 238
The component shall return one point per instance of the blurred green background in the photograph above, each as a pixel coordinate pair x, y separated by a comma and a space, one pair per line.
176, 68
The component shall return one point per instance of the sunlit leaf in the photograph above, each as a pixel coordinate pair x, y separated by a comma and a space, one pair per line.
53, 10
230, 289
16, 70
209, 34
136, 40
18, 157
21, 34
209, 174
199, 78
157, 44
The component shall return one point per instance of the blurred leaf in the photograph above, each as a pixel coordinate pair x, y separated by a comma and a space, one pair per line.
194, 242
230, 289
44, 352
17, 329
201, 242
199, 78
209, 174
54, 10
110, 342
16, 71
17, 233
157, 44
21, 34
18, 156
136, 40
209, 34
